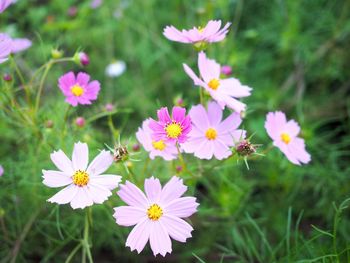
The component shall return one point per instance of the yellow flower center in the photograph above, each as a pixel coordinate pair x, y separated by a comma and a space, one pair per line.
200, 29
159, 145
211, 134
173, 130
214, 84
80, 178
154, 212
285, 138
77, 90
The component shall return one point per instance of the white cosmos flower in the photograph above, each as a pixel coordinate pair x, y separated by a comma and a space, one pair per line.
115, 69
85, 185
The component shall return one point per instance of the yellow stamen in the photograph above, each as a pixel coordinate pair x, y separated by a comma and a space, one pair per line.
159, 145
154, 212
285, 138
173, 130
211, 134
77, 90
80, 178
214, 84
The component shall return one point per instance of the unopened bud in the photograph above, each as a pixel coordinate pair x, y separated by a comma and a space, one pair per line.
121, 153
80, 122
136, 147
49, 124
109, 107
226, 70
56, 53
7, 77
245, 148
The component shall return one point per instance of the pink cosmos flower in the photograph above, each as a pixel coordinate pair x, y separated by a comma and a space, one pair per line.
209, 34
78, 90
157, 215
4, 4
95, 4
5, 47
20, 44
224, 91
164, 149
172, 129
85, 185
284, 135
210, 135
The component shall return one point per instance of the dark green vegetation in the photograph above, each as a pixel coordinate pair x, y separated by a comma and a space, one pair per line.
293, 53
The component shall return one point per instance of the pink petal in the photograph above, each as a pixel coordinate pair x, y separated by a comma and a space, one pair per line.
209, 69
292, 128
234, 88
72, 101
101, 163
177, 228
129, 215
62, 162
66, 82
211, 28
181, 207
109, 181
97, 193
274, 123
153, 189
56, 178
163, 115
178, 113
197, 81
132, 195
83, 79
92, 90
139, 236
192, 144
205, 150
172, 190
82, 199
221, 150
214, 113
173, 34
20, 44
159, 239
80, 156
199, 117
65, 195
231, 123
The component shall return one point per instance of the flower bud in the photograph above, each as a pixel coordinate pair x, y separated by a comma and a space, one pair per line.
178, 101
179, 168
1, 170
245, 148
56, 53
80, 122
121, 153
109, 107
7, 77
72, 11
226, 70
49, 124
136, 147
81, 58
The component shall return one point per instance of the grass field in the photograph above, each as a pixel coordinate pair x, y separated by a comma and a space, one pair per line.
294, 54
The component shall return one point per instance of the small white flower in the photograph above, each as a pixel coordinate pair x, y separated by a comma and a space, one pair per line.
115, 69
85, 185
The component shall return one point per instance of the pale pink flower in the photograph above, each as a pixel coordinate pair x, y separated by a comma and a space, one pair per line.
210, 135
166, 150
85, 185
78, 90
4, 4
157, 215
224, 91
172, 129
284, 135
5, 47
1, 170
210, 33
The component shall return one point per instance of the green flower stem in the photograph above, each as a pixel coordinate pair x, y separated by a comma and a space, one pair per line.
21, 78
85, 241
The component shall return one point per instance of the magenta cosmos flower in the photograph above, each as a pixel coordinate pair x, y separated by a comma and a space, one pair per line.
210, 33
224, 91
210, 135
4, 4
85, 185
157, 215
284, 135
78, 90
171, 129
164, 149
5, 47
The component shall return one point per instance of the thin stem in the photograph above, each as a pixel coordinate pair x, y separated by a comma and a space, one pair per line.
85, 241
41, 86
21, 78
182, 160
201, 96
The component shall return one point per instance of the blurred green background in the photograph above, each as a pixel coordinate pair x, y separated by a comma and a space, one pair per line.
295, 56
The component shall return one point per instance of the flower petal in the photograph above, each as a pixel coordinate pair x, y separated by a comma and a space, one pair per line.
82, 199
62, 162
80, 156
153, 189
65, 195
108, 181
181, 207
177, 228
129, 215
172, 190
159, 239
101, 163
139, 236
98, 193
56, 178
214, 113
132, 195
